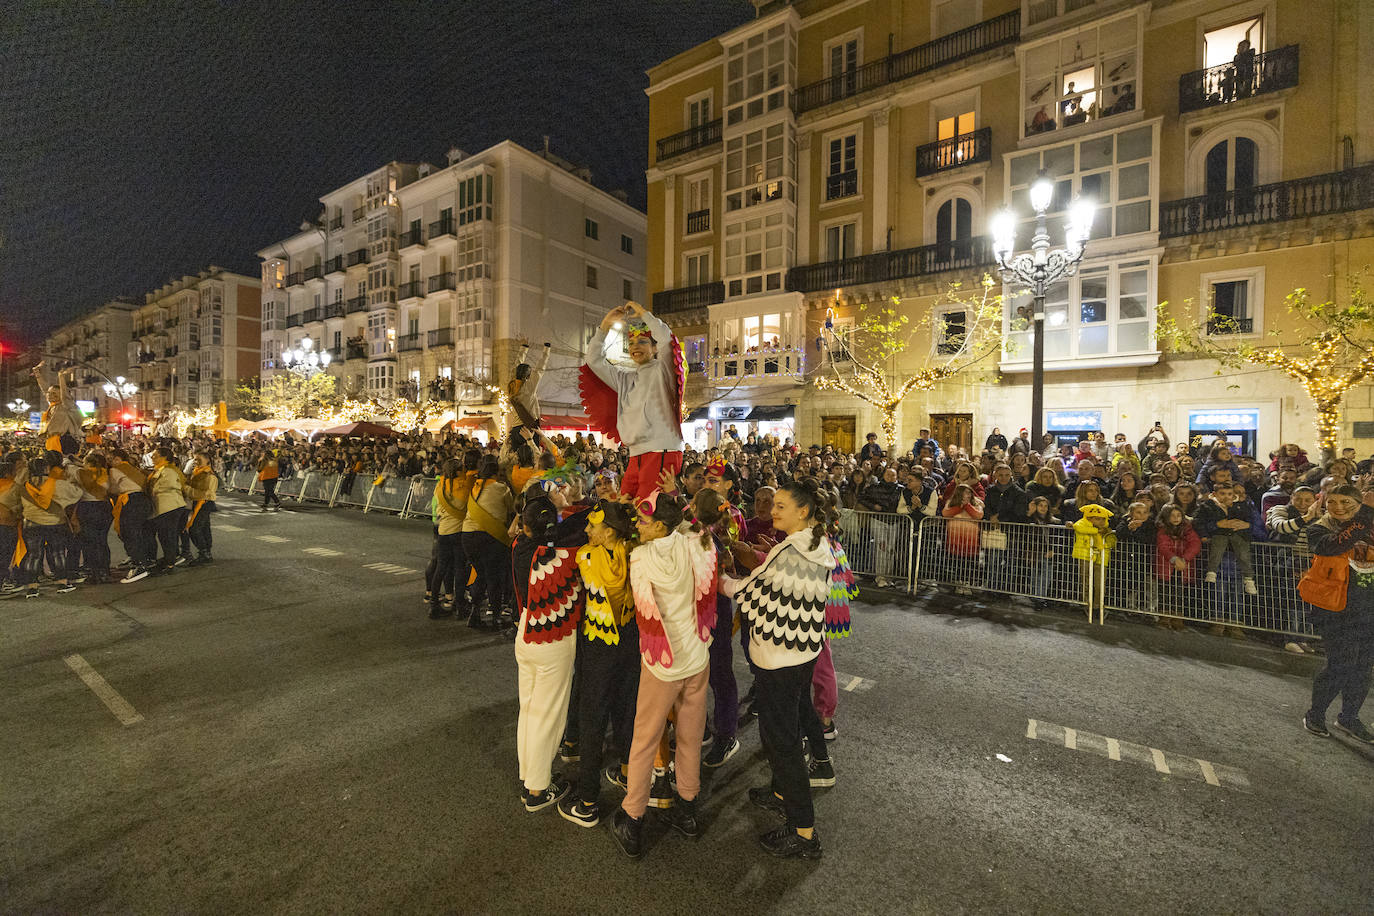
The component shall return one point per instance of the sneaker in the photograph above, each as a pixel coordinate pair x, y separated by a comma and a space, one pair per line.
567, 752
437, 612
1355, 729
1211, 578
538, 801
822, 773
616, 777
1294, 648
682, 816
181, 560
831, 730
135, 573
205, 559
722, 750
629, 833
1249, 586
708, 737
764, 797
77, 580
1315, 726
661, 795
66, 588
32, 592
579, 812
785, 843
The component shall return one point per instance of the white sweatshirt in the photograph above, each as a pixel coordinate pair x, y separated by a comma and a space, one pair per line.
646, 411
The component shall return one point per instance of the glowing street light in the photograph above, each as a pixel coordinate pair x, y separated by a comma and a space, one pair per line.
18, 406
304, 360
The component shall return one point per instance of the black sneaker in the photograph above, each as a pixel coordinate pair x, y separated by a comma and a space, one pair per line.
205, 558
437, 612
135, 574
181, 560
538, 801
579, 812
682, 816
616, 777
661, 794
822, 774
721, 751
1355, 729
785, 843
629, 833
567, 752
1315, 726
764, 797
32, 592
66, 588
831, 731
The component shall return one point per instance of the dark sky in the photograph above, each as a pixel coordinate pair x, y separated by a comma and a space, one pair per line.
140, 141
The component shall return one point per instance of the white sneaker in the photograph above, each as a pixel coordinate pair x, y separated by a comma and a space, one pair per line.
1211, 579
135, 574
1249, 586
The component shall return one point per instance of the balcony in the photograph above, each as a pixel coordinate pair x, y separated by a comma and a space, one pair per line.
1224, 324
334, 310
842, 184
693, 138
1237, 80
1320, 195
412, 289
293, 321
948, 49
295, 279
192, 375
355, 305
335, 354
699, 221
442, 227
359, 214
955, 152
440, 282
314, 272
886, 266
336, 222
355, 351
310, 315
408, 342
412, 237
441, 337
760, 364
334, 265
685, 298
357, 257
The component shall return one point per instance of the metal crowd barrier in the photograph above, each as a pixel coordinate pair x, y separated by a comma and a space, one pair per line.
320, 487
353, 490
391, 495
290, 487
421, 497
879, 544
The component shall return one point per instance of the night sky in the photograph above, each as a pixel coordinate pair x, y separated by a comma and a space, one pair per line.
141, 141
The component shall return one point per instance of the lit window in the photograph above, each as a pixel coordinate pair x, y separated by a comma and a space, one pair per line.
759, 167
1083, 77
1112, 170
1104, 311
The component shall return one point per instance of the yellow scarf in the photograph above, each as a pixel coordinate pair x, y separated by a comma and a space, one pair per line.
484, 519
195, 510
444, 493
95, 481
6, 516
610, 605
42, 496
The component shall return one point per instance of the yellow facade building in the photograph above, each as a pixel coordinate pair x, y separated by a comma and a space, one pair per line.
834, 153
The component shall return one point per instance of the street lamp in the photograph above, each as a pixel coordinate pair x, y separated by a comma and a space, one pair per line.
304, 360
18, 406
121, 388
1038, 269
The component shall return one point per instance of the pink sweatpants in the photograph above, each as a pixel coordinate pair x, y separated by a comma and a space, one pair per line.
656, 698
825, 693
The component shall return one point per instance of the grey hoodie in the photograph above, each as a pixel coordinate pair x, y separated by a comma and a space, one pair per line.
646, 412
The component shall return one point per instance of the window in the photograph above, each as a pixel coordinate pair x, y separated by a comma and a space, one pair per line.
951, 151
697, 268
472, 252
591, 277
627, 244
758, 167
756, 253
1113, 170
627, 288
380, 377
1222, 45
1233, 301
842, 64
758, 71
1083, 77
338, 294
954, 221
699, 204
590, 229
951, 332
380, 335
842, 169
699, 110
1103, 312
338, 340
1231, 165
413, 325
839, 241
473, 204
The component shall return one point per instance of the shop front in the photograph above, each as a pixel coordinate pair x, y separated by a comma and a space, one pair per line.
1070, 427
1237, 426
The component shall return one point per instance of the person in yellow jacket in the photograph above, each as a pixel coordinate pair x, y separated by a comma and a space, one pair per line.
201, 488
11, 514
94, 515
165, 485
487, 540
132, 510
268, 472
450, 563
1093, 540
47, 532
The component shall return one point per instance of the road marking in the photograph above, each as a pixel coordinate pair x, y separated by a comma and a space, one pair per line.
1165, 763
115, 703
324, 552
390, 568
272, 539
852, 683
227, 528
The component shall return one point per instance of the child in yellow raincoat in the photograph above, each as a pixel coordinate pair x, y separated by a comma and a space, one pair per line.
1093, 540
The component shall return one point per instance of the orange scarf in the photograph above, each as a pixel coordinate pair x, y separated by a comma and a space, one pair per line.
95, 481
119, 502
42, 496
196, 472
6, 516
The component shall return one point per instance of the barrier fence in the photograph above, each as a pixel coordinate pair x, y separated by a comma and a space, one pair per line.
879, 544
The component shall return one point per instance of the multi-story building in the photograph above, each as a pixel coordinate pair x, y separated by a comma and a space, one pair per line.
422, 281
194, 340
836, 153
96, 348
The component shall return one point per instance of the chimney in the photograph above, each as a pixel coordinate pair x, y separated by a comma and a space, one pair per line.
455, 155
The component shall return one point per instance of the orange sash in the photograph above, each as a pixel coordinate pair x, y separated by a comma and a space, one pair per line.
21, 549
42, 496
131, 472
119, 502
194, 512
6, 516
95, 481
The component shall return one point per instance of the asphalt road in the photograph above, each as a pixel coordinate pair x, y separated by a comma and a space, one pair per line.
303, 739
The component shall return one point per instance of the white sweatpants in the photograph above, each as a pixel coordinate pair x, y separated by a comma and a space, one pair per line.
545, 673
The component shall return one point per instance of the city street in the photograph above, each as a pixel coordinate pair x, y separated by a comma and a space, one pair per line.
301, 738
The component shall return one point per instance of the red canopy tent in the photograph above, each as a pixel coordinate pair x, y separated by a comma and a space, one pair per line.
564, 421
363, 428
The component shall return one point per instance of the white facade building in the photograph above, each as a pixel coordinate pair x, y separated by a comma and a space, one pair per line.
100, 340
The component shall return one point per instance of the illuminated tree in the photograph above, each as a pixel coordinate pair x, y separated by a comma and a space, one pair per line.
285, 396
864, 360
1334, 352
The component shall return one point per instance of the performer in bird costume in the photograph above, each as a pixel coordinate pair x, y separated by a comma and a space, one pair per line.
640, 407
523, 392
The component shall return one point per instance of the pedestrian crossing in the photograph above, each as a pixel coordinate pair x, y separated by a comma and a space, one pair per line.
272, 539
324, 552
390, 569
1165, 763
223, 527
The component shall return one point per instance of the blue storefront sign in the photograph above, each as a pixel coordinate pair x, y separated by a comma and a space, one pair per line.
1231, 420
1073, 420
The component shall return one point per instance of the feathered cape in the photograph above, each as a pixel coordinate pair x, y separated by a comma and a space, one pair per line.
599, 400
678, 573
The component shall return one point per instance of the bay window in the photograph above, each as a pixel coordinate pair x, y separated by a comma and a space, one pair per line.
1088, 75
758, 71
1104, 312
756, 252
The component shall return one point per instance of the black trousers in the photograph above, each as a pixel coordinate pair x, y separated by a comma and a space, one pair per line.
52, 541
269, 492
433, 559
135, 532
9, 539
199, 533
1348, 637
95, 517
609, 690
167, 528
782, 698
450, 569
491, 559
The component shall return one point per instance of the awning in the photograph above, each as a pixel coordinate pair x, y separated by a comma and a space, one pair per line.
471, 422
774, 413
563, 421
697, 415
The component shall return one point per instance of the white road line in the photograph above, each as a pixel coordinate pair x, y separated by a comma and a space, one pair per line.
853, 682
1208, 773
222, 527
1113, 749
1071, 739
115, 703
1030, 729
1161, 765
272, 539
324, 552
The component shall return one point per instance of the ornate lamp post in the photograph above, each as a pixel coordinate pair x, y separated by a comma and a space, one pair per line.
123, 389
18, 407
1038, 269
305, 360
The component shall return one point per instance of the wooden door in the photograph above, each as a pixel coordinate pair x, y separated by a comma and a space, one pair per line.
953, 429
839, 433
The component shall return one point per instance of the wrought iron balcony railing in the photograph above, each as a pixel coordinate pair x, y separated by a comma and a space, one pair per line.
293, 321
441, 337
334, 265
313, 272
692, 138
356, 304
408, 342
886, 266
684, 298
412, 289
440, 282
356, 257
442, 227
955, 152
294, 279
1319, 195
1244, 77
310, 315
842, 184
334, 310
699, 221
412, 237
